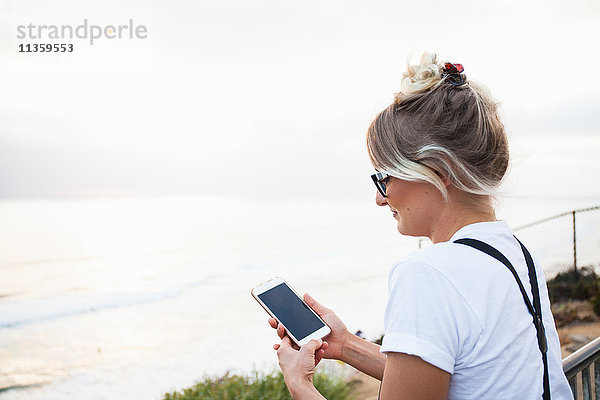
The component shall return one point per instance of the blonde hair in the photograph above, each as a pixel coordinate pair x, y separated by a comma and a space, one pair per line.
438, 129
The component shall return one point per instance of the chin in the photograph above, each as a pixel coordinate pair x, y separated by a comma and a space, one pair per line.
407, 231
402, 229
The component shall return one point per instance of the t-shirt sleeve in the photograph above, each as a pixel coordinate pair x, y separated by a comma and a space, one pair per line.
425, 315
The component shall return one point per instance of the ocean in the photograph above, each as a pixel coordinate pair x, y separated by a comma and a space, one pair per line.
129, 298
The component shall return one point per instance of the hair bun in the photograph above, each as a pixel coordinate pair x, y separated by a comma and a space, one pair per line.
421, 77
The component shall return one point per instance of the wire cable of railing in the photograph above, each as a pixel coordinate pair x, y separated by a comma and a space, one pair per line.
556, 216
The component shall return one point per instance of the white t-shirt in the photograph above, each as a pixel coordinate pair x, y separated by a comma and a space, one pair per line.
461, 310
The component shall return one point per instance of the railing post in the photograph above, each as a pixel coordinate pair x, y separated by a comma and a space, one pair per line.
597, 379
574, 244
585, 380
577, 368
573, 384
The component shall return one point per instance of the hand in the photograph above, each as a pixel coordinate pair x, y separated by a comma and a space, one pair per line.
298, 366
336, 340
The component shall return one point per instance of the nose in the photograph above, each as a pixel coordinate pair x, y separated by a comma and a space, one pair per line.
379, 199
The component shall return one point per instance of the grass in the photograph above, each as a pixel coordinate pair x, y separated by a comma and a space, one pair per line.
259, 386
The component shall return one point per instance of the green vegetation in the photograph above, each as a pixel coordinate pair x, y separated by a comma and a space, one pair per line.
581, 284
575, 296
259, 387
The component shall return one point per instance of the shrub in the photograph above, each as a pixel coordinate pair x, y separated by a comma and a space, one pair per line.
596, 304
259, 387
581, 284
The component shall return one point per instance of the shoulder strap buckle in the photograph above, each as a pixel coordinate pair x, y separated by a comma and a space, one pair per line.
541, 331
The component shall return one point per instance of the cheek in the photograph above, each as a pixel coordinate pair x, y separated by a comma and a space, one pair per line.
401, 200
413, 202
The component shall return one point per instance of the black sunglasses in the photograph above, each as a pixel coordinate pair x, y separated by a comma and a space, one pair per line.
380, 180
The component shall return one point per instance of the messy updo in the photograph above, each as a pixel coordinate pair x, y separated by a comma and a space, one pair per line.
440, 127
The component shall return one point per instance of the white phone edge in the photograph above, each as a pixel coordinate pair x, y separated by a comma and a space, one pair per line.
263, 287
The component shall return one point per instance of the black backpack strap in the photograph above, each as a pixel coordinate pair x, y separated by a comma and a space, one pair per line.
534, 309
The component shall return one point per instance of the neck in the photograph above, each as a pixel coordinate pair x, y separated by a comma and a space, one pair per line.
455, 215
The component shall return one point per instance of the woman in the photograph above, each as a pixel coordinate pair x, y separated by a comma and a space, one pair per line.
457, 324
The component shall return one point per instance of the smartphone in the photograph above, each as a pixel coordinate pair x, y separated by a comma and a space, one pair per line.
301, 323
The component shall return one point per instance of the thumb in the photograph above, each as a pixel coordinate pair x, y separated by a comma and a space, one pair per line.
315, 305
312, 346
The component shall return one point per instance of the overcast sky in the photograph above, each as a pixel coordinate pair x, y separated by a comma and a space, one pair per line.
273, 98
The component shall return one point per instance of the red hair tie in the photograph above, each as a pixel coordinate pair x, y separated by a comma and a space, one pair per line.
452, 74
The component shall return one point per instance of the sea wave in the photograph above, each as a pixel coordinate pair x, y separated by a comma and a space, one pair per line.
18, 312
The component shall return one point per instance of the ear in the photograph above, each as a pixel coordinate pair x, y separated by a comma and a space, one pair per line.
444, 178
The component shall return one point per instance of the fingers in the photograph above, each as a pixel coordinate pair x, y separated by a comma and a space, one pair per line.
282, 335
286, 343
315, 305
279, 327
312, 346
319, 350
319, 356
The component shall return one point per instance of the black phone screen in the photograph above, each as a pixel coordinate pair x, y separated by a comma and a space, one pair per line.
298, 319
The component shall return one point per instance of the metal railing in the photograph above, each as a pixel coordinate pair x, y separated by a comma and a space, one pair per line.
582, 369
573, 214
